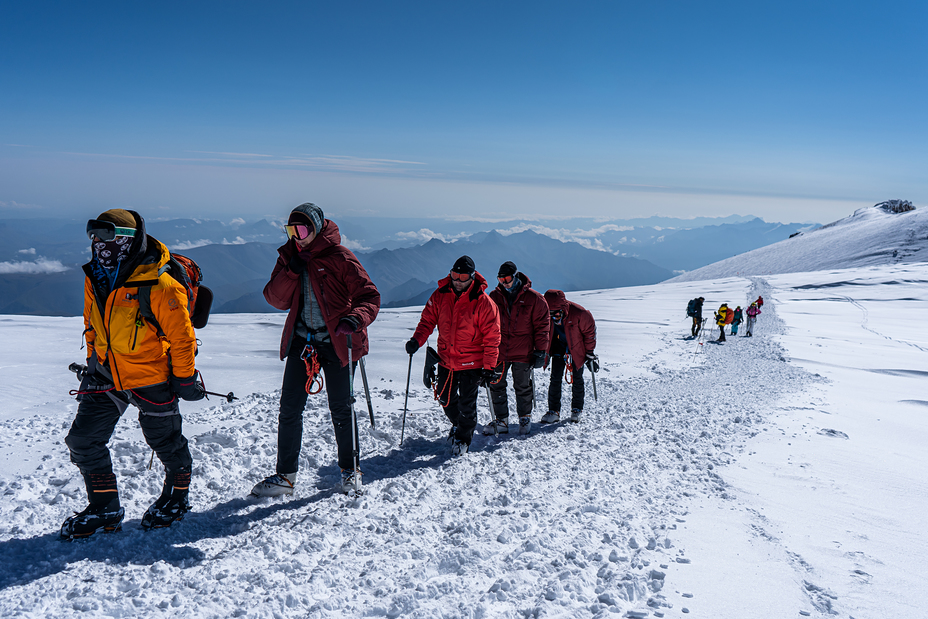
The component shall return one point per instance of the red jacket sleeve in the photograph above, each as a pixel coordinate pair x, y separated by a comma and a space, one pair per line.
365, 298
428, 320
541, 323
279, 291
488, 323
588, 330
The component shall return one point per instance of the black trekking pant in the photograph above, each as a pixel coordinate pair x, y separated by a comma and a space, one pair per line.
293, 400
721, 333
577, 391
457, 394
521, 384
98, 413
697, 322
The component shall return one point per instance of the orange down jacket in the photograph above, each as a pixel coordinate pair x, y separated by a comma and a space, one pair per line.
122, 339
468, 325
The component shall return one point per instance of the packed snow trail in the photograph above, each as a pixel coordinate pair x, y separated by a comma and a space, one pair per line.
572, 520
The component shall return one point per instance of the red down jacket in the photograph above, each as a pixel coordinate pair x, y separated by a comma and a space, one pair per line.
468, 325
579, 326
525, 326
340, 284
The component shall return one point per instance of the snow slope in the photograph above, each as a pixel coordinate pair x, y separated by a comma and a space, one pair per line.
869, 237
776, 476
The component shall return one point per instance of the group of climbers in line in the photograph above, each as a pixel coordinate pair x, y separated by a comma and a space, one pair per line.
725, 316
484, 337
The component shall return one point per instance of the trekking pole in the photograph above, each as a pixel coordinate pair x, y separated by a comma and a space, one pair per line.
406, 402
702, 334
230, 397
593, 374
355, 452
367, 390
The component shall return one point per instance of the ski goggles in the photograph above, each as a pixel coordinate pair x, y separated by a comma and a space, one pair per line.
505, 279
106, 230
298, 231
460, 277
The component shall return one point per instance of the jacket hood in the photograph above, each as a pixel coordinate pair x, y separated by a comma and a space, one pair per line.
556, 300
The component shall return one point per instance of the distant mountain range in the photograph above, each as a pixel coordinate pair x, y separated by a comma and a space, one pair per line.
39, 259
408, 276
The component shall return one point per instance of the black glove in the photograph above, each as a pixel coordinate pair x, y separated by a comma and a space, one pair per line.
412, 346
592, 362
188, 388
490, 377
539, 359
297, 265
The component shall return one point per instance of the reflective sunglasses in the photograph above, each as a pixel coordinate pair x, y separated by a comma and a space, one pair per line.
504, 279
298, 231
460, 277
106, 230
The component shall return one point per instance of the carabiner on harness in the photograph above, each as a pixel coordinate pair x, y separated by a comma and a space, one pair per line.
313, 377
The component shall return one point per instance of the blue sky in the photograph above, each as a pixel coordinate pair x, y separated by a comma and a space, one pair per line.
793, 111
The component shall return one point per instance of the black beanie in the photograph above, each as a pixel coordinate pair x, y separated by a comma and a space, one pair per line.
464, 264
507, 268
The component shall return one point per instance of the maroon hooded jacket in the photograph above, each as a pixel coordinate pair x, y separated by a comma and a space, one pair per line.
340, 284
579, 326
468, 326
525, 326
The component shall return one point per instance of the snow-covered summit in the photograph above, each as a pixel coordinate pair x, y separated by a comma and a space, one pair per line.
886, 233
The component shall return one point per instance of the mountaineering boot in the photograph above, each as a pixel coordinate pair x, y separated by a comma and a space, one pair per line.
277, 484
454, 430
103, 512
525, 424
173, 503
575, 415
92, 519
458, 447
351, 481
551, 417
497, 426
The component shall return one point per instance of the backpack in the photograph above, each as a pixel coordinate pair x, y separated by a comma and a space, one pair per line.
691, 308
729, 316
199, 297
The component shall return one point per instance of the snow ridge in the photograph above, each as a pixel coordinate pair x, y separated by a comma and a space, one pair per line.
871, 236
